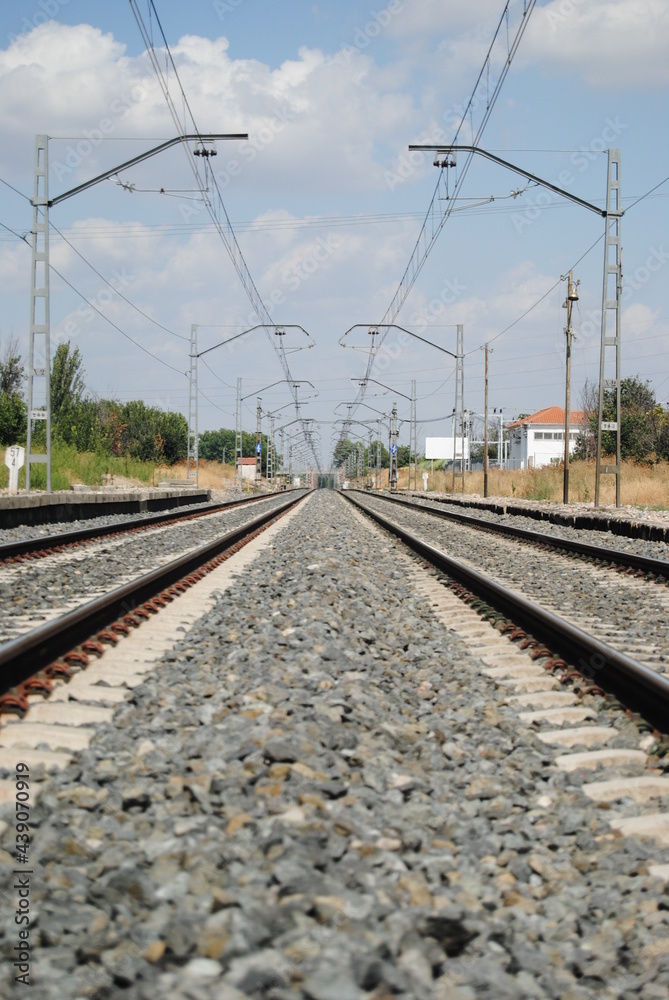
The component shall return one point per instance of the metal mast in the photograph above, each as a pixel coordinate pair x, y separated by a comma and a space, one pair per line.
39, 360
392, 472
259, 443
572, 296
192, 454
238, 435
611, 295
270, 455
459, 409
413, 460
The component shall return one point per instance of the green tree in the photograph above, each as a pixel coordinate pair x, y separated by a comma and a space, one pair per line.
403, 456
13, 409
342, 450
212, 443
174, 432
67, 391
638, 420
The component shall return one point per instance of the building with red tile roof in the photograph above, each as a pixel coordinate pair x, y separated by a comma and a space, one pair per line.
538, 439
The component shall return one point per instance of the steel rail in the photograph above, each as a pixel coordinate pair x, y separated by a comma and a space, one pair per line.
26, 655
648, 564
10, 550
637, 686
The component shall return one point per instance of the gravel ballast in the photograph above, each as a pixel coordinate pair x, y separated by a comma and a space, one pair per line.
629, 614
317, 795
605, 539
32, 591
28, 531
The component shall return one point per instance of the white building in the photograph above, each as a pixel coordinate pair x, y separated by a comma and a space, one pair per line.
538, 439
442, 448
248, 469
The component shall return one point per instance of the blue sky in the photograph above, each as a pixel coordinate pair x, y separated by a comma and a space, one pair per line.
325, 201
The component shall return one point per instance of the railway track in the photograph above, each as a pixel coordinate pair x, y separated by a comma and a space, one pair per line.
67, 641
644, 565
34, 592
614, 628
327, 772
40, 546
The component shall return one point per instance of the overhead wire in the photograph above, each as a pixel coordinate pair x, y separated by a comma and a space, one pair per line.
96, 309
116, 290
224, 226
435, 216
112, 323
571, 267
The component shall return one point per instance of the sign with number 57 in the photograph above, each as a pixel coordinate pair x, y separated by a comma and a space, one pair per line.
15, 457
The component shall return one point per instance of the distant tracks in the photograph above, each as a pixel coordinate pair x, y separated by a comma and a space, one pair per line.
637, 685
29, 663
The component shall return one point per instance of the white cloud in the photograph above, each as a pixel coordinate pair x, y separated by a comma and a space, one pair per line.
612, 44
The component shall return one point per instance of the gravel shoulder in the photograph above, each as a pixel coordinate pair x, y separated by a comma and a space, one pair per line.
319, 796
658, 550
36, 591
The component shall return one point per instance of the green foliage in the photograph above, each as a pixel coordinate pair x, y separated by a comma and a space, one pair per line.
643, 424
67, 391
344, 448
69, 465
144, 432
403, 456
12, 419
212, 443
13, 409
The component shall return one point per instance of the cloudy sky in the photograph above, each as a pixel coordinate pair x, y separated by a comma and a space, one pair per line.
325, 199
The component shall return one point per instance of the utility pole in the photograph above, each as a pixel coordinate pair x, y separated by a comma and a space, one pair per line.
611, 309
392, 477
485, 426
259, 443
238, 435
572, 296
39, 362
270, 455
192, 451
378, 454
413, 458
368, 459
500, 440
459, 409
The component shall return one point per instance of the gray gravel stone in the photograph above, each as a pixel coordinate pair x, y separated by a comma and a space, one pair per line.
323, 831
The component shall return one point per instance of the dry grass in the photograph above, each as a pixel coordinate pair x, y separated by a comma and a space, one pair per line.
211, 475
641, 485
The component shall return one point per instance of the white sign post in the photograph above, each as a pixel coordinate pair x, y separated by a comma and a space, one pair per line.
425, 479
15, 457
